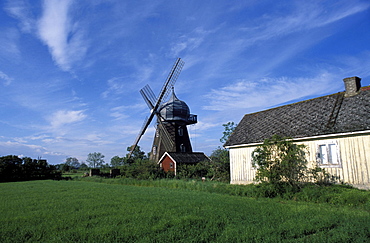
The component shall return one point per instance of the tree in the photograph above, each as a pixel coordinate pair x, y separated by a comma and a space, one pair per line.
218, 168
13, 168
95, 159
220, 164
229, 129
136, 155
117, 161
279, 160
83, 166
72, 162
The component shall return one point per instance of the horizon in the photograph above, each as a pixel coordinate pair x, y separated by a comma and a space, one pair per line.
71, 71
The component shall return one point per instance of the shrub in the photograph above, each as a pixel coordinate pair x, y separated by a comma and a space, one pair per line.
13, 168
280, 160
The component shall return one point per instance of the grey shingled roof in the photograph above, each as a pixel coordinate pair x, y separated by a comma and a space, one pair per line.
325, 115
188, 158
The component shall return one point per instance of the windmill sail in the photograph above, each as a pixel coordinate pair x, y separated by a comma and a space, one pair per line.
154, 103
149, 96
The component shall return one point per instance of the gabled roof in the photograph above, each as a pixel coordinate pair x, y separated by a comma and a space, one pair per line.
186, 158
331, 114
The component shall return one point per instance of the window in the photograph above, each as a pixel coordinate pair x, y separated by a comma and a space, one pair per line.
171, 165
180, 131
154, 149
182, 148
157, 132
328, 154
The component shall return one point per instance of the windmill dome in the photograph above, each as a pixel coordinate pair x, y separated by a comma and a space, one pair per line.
174, 109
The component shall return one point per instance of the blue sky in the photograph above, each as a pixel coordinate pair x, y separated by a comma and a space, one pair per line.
71, 71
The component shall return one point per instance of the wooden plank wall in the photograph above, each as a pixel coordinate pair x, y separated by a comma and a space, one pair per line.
354, 166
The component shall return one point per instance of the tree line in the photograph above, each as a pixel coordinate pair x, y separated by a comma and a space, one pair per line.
138, 165
13, 168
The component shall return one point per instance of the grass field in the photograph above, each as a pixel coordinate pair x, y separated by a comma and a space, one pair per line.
79, 211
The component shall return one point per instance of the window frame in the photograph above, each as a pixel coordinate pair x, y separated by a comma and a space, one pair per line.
328, 145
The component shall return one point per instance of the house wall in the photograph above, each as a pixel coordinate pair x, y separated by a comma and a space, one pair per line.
353, 167
166, 164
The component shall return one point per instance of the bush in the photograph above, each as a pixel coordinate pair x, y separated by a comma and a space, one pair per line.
13, 168
142, 169
280, 160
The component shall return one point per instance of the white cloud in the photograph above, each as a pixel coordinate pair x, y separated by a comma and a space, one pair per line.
20, 10
9, 40
190, 41
305, 16
62, 117
115, 86
20, 146
119, 112
63, 37
6, 79
267, 92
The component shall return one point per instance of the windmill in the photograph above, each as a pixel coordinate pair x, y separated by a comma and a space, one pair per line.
172, 117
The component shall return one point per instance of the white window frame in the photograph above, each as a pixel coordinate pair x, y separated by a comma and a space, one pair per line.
182, 148
154, 149
180, 131
328, 154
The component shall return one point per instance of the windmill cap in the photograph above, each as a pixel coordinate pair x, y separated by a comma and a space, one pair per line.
175, 109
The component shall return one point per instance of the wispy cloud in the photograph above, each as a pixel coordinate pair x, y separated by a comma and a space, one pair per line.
190, 41
62, 117
64, 38
119, 112
116, 86
9, 39
20, 147
304, 16
20, 9
6, 79
267, 92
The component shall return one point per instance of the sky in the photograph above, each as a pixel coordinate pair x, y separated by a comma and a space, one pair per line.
71, 71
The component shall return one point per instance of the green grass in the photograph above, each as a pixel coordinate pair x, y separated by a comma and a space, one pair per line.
81, 211
77, 173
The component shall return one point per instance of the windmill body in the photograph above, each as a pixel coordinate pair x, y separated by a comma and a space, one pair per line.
172, 133
173, 117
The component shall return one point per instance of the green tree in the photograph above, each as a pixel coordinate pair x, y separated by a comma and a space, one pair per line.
72, 162
220, 165
117, 161
229, 129
95, 160
13, 168
136, 155
279, 160
83, 166
217, 168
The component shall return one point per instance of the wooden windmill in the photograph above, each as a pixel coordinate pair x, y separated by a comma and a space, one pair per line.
172, 118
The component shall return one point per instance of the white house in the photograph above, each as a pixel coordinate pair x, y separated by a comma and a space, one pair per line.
335, 128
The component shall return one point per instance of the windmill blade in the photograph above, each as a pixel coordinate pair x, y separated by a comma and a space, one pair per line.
141, 133
170, 81
149, 96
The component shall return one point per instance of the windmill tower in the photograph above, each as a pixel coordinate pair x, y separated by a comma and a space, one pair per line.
172, 118
171, 133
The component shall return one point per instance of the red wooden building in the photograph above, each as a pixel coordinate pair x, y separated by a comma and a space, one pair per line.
170, 160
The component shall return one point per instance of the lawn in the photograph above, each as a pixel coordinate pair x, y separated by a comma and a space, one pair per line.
80, 211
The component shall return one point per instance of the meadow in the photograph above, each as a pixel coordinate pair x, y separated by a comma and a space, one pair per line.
88, 211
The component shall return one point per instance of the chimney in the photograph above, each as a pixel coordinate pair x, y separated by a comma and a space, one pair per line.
353, 85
